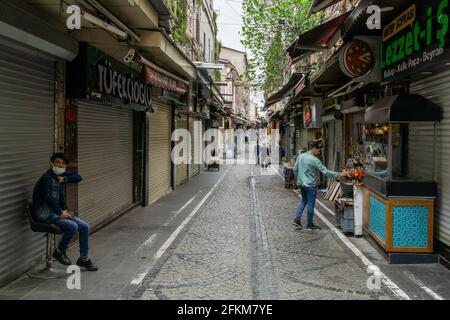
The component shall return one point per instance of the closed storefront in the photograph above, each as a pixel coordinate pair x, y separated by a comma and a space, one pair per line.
330, 146
102, 135
105, 161
27, 128
26, 144
298, 139
333, 141
181, 170
195, 168
421, 137
160, 173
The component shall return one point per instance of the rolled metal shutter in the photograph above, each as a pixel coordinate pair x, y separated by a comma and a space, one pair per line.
182, 169
105, 161
331, 145
421, 136
26, 144
160, 172
298, 140
195, 168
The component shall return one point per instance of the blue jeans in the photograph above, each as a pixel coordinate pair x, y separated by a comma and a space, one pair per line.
309, 195
69, 228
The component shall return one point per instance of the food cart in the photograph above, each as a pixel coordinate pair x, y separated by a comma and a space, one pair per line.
398, 205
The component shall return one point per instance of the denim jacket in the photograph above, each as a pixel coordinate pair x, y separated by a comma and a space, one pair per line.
48, 196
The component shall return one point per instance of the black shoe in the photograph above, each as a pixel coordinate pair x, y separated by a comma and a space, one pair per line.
61, 257
297, 223
87, 264
313, 227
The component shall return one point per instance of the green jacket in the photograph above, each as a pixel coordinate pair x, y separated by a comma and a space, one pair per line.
306, 168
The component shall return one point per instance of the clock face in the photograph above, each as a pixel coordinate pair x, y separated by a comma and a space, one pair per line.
358, 58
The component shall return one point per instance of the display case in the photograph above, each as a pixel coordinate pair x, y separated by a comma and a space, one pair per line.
386, 165
398, 204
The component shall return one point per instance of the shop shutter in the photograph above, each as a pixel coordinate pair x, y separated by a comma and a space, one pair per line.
26, 144
160, 172
298, 140
421, 136
330, 144
339, 142
195, 168
182, 169
105, 162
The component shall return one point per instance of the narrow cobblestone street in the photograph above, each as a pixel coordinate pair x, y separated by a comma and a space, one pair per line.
228, 235
241, 245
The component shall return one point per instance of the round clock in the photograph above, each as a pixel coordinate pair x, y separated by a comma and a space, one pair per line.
357, 59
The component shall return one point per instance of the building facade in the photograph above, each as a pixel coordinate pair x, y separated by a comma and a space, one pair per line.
109, 95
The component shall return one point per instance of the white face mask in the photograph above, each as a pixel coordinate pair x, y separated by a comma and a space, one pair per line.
59, 171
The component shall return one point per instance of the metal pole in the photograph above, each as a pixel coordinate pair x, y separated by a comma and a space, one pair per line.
434, 152
390, 150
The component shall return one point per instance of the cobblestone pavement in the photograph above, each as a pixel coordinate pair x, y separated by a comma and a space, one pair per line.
241, 245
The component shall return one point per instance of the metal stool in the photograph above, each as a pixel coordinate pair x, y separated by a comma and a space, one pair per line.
50, 231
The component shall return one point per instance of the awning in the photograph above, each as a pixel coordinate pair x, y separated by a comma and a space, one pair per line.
319, 38
295, 79
353, 105
332, 116
403, 108
319, 5
330, 75
356, 24
21, 27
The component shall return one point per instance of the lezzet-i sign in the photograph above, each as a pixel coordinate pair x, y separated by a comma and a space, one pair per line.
416, 39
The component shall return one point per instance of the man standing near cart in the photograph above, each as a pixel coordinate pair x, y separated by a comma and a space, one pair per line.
305, 170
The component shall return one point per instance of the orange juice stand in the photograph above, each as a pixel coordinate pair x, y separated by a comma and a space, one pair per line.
398, 205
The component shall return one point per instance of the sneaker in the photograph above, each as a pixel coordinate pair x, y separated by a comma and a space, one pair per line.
61, 257
297, 223
87, 264
313, 227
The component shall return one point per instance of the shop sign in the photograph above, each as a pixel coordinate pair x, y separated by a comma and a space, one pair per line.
357, 59
307, 114
416, 39
312, 108
96, 76
153, 77
124, 86
404, 20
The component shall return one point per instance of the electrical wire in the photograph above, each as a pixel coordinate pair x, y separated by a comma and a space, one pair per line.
229, 5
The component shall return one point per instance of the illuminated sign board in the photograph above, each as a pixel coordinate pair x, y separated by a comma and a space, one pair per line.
416, 40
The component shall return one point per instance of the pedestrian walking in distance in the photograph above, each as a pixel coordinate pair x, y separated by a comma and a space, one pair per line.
307, 166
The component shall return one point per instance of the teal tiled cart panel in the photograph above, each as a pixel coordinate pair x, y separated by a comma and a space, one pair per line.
410, 226
378, 218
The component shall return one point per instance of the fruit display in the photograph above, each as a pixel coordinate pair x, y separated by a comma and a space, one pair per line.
376, 133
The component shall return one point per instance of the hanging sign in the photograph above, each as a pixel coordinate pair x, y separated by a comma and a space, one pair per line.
98, 77
416, 40
153, 77
307, 113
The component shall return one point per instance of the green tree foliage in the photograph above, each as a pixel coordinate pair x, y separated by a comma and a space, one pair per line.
270, 27
179, 18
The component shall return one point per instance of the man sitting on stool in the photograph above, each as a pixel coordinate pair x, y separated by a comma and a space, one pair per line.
49, 206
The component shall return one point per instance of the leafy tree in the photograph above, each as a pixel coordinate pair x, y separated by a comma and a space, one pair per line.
270, 27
